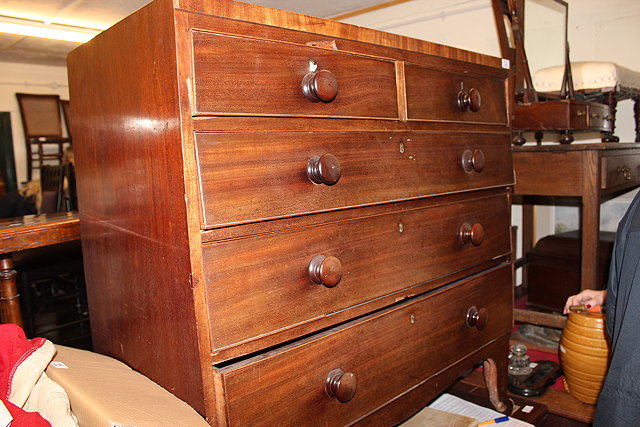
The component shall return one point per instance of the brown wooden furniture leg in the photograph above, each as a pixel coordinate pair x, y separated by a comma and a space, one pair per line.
611, 100
527, 238
496, 385
590, 220
9, 298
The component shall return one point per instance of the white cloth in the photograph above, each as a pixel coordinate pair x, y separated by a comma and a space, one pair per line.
587, 75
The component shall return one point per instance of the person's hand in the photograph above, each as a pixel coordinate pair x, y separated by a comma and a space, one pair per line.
588, 297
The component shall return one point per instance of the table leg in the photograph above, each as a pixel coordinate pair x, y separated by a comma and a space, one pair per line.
528, 231
9, 298
590, 219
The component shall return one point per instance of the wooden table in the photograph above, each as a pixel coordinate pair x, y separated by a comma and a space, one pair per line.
582, 174
28, 232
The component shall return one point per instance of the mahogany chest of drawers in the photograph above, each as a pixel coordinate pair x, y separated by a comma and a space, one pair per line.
288, 220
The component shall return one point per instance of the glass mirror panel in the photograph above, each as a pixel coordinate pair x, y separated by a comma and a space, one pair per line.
545, 32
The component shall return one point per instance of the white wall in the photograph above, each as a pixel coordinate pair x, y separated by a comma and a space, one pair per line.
27, 78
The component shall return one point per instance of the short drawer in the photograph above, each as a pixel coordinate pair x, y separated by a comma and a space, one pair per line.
290, 278
621, 171
234, 75
381, 356
441, 95
246, 177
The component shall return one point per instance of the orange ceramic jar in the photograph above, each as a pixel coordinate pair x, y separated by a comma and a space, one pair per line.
584, 355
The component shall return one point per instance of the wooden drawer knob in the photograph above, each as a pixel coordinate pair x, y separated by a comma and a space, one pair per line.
325, 270
320, 86
324, 169
469, 100
340, 385
478, 318
473, 234
473, 161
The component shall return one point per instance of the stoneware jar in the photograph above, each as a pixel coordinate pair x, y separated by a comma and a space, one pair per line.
584, 355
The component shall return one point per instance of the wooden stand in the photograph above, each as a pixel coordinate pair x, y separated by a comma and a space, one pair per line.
581, 174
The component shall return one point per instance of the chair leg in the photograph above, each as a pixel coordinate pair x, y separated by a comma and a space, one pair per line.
611, 100
29, 161
636, 116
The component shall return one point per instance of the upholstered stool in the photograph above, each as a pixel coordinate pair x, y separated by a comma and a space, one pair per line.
604, 82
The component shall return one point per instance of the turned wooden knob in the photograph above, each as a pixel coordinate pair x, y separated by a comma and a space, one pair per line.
473, 234
325, 270
324, 169
473, 161
469, 100
320, 86
478, 318
341, 385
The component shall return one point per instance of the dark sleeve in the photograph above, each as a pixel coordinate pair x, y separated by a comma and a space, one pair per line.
612, 287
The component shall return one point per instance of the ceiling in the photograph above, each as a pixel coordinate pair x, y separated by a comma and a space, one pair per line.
101, 14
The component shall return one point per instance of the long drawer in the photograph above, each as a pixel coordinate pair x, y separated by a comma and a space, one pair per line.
253, 176
380, 357
289, 278
458, 97
234, 75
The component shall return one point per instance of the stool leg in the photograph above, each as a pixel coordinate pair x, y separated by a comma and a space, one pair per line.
611, 100
636, 116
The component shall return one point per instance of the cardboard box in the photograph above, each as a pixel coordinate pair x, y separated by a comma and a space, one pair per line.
106, 392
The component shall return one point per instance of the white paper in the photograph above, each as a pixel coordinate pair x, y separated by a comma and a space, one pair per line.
454, 404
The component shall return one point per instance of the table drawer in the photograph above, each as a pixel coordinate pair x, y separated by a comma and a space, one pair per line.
288, 278
387, 354
246, 177
440, 95
621, 171
234, 75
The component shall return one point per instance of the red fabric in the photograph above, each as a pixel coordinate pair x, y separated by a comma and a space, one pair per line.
22, 418
14, 349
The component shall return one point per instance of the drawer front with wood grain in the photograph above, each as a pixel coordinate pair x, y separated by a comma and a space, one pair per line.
345, 373
621, 171
234, 75
246, 177
436, 95
294, 277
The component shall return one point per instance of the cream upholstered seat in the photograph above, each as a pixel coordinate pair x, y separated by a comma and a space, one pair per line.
605, 82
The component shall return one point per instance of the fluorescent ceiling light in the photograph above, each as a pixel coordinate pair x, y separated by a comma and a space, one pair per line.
27, 27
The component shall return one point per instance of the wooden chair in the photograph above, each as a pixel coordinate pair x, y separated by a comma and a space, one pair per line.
42, 124
51, 279
58, 187
52, 179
